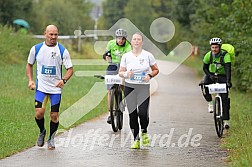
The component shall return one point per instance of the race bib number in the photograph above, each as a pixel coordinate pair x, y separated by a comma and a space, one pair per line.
48, 70
138, 77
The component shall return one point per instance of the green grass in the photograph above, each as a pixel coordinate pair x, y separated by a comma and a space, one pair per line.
239, 136
238, 140
18, 129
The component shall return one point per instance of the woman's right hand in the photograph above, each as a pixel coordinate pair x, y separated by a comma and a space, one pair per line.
130, 74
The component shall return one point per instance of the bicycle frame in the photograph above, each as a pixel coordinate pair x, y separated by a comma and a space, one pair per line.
218, 95
116, 98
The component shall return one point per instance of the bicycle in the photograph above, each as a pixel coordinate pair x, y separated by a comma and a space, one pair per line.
216, 89
116, 100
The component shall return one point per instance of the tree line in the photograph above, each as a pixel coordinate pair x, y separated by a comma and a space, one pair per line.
195, 20
67, 15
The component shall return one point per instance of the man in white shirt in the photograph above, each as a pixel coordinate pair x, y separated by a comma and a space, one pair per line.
50, 56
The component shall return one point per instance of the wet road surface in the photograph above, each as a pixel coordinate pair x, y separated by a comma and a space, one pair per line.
181, 130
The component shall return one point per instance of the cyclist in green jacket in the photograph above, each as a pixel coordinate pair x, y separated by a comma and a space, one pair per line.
114, 51
223, 68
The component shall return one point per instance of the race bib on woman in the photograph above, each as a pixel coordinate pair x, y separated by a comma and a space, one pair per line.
138, 77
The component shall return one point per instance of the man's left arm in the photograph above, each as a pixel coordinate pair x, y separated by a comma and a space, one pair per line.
68, 66
66, 77
227, 66
68, 74
228, 74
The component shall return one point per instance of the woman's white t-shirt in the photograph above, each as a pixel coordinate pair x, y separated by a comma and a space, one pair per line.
140, 65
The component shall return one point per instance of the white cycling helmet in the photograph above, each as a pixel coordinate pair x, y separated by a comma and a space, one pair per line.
215, 40
121, 33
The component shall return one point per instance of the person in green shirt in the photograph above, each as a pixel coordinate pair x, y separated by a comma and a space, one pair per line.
114, 51
217, 61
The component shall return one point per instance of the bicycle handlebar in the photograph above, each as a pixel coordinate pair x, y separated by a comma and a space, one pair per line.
99, 76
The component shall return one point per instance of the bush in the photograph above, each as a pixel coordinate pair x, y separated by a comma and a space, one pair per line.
243, 73
15, 45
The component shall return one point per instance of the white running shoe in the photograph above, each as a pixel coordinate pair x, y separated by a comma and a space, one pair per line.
210, 107
50, 144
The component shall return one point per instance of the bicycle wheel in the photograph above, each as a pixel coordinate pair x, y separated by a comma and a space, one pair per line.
119, 111
113, 110
217, 117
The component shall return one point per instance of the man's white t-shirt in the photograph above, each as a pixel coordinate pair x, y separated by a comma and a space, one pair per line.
49, 67
140, 65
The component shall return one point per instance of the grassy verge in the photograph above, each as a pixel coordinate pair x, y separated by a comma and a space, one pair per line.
239, 136
17, 106
18, 129
238, 140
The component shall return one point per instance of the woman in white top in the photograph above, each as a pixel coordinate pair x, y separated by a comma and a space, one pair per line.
138, 67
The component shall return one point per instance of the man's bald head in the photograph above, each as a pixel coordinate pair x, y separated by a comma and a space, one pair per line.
51, 34
51, 28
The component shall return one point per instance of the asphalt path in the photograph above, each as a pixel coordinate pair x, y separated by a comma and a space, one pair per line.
181, 133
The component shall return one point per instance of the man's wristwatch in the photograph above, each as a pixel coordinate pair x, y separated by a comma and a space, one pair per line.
64, 80
150, 76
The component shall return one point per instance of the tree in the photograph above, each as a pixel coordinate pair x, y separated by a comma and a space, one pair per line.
206, 22
141, 14
238, 28
67, 15
179, 13
113, 10
183, 11
163, 8
12, 9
